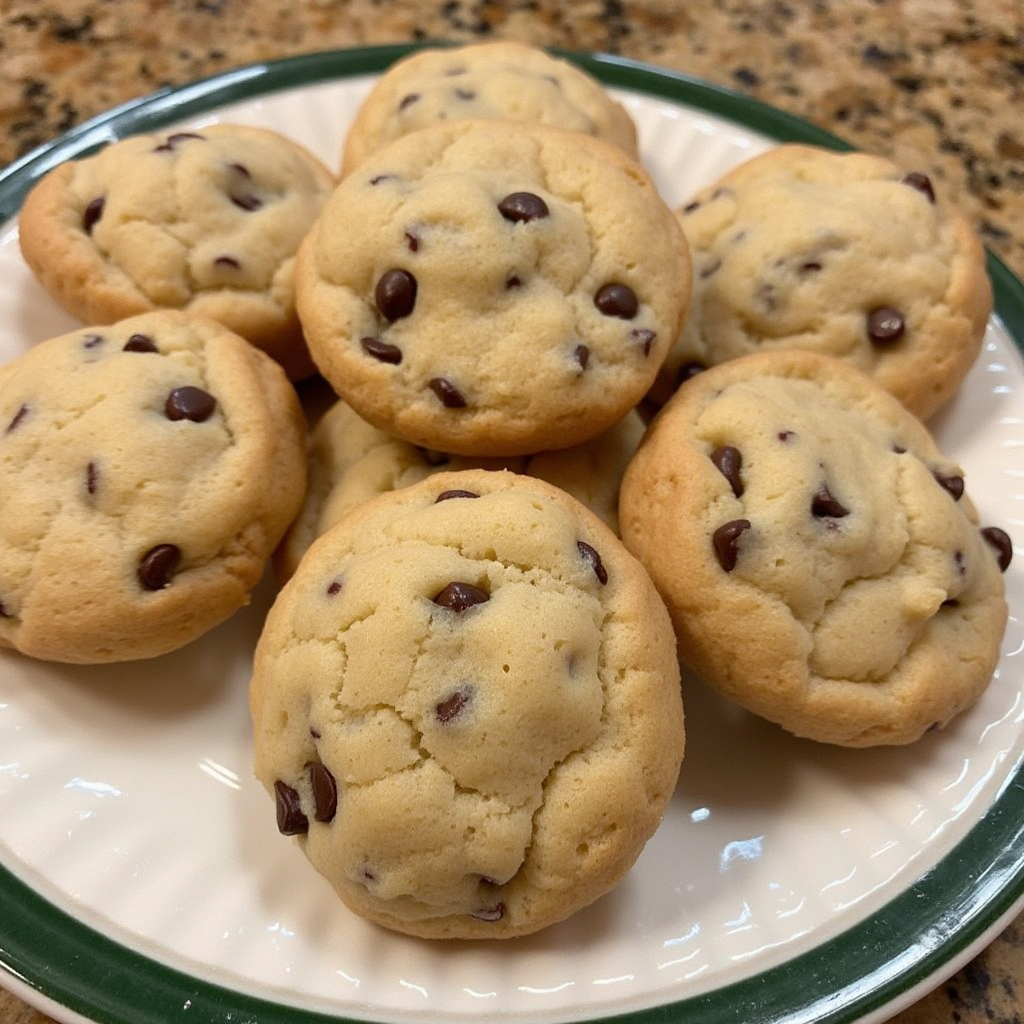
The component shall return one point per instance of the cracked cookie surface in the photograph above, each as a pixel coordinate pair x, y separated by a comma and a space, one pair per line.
207, 221
503, 79
147, 470
843, 254
466, 704
820, 559
351, 462
491, 288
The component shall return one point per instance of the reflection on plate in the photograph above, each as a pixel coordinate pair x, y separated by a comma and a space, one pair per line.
142, 875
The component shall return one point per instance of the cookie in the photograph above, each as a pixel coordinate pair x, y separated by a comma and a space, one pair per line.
842, 254
207, 221
493, 288
148, 469
820, 559
502, 79
351, 462
466, 706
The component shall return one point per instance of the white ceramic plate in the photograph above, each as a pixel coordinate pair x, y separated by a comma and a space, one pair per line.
141, 874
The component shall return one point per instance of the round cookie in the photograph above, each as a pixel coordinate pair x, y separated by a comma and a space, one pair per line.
351, 462
818, 555
501, 79
466, 704
207, 221
493, 288
148, 469
843, 254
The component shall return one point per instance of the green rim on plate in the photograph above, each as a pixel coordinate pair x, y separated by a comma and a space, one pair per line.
926, 930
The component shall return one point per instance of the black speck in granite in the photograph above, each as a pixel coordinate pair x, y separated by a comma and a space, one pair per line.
68, 31
747, 76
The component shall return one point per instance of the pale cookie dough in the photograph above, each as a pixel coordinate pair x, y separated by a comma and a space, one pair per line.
490, 288
205, 220
467, 707
147, 470
351, 462
818, 555
843, 254
502, 79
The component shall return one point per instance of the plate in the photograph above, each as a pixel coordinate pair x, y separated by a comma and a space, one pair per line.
141, 873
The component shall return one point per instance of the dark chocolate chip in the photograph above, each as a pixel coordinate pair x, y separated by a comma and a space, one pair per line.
644, 337
92, 477
172, 140
785, 435
458, 596
19, 418
582, 356
92, 341
451, 707
688, 370
455, 493
1000, 540
690, 207
93, 212
334, 587
325, 792
810, 267
190, 403
726, 542
915, 179
412, 241
408, 100
395, 294
140, 343
290, 819
513, 281
247, 201
157, 566
825, 506
954, 484
617, 300
591, 556
381, 350
898, 449
449, 394
885, 325
227, 261
520, 207
729, 462
495, 912
315, 733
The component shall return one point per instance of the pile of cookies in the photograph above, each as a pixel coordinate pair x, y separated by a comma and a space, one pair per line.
576, 438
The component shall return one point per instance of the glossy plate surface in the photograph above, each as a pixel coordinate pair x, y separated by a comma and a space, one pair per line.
141, 874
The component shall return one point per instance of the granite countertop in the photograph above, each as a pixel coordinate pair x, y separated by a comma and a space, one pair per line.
934, 84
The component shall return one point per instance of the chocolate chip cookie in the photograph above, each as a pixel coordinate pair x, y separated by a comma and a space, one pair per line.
489, 288
148, 469
466, 706
351, 462
819, 556
502, 79
207, 221
844, 254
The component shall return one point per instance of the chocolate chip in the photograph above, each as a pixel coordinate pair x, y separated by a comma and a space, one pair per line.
495, 912
513, 281
825, 506
688, 370
315, 733
290, 819
729, 461
449, 394
690, 207
381, 350
325, 792
953, 483
885, 325
93, 212
591, 556
19, 418
617, 300
582, 356
726, 542
412, 241
157, 566
92, 341
227, 261
247, 201
455, 493
785, 435
92, 477
408, 100
459, 596
190, 403
334, 587
644, 337
520, 207
1000, 540
172, 140
395, 294
898, 449
915, 179
451, 707
810, 267
140, 343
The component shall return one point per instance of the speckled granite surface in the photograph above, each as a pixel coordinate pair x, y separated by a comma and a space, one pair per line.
935, 84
